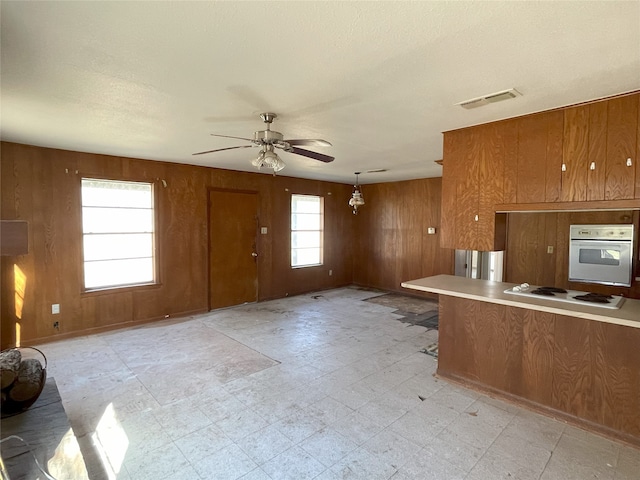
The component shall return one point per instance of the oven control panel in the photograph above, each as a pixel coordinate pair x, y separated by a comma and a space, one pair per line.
602, 232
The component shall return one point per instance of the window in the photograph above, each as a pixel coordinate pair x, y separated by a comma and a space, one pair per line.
306, 230
118, 233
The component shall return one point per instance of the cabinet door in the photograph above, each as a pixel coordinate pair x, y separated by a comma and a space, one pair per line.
499, 143
467, 194
539, 157
575, 155
621, 148
597, 150
451, 168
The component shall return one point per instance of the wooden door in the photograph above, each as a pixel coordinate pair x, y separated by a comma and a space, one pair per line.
621, 148
233, 267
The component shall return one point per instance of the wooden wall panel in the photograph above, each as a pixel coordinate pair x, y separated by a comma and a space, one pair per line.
392, 244
41, 186
457, 337
572, 379
617, 387
529, 235
498, 346
537, 353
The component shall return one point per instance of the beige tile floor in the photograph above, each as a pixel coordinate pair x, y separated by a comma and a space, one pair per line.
301, 388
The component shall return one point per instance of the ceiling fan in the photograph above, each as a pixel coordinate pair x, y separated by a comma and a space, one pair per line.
268, 140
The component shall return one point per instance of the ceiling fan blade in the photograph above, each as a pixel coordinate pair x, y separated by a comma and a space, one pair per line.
221, 149
309, 142
229, 136
310, 154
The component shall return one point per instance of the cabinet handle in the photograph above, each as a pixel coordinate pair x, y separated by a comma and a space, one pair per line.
592, 166
629, 162
564, 167
476, 218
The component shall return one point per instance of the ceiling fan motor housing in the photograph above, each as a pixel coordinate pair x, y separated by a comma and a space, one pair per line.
268, 137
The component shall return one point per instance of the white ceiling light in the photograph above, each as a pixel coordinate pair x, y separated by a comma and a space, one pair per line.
490, 98
269, 159
356, 200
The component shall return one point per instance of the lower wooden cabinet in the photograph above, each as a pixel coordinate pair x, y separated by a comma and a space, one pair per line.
584, 369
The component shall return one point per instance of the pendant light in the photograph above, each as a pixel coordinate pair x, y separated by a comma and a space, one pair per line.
356, 200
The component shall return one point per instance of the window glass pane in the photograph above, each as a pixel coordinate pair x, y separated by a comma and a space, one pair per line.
306, 230
305, 221
112, 273
112, 247
305, 256
305, 204
305, 239
111, 193
118, 225
116, 220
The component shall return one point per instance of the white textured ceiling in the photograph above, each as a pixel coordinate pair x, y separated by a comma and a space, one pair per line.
377, 79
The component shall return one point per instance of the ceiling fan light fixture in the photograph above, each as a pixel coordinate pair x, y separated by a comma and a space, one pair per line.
269, 159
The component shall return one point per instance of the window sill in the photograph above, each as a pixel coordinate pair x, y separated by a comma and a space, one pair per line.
122, 289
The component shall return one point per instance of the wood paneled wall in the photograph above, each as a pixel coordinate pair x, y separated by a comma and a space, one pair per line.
529, 235
392, 244
41, 185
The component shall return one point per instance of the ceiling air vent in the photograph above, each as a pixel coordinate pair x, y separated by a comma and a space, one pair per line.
491, 98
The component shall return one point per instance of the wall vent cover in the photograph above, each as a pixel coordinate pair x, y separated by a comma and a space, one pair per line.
490, 98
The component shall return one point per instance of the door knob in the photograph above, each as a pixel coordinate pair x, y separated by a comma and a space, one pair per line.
254, 254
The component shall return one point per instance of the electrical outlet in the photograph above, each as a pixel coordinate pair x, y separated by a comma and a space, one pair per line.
330, 272
55, 308
550, 249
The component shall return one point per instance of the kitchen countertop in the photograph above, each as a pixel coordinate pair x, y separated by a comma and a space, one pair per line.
493, 292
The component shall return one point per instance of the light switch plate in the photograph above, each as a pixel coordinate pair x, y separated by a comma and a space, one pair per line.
550, 249
431, 231
55, 308
263, 230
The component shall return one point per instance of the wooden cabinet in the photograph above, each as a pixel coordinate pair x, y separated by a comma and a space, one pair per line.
547, 160
473, 183
622, 130
600, 151
582, 370
539, 158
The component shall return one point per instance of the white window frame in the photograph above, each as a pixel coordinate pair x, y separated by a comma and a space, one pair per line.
319, 230
145, 263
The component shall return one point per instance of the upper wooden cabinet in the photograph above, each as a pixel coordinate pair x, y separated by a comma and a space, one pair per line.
600, 151
539, 158
473, 183
587, 153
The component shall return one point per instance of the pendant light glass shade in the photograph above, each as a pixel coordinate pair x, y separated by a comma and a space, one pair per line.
269, 159
356, 200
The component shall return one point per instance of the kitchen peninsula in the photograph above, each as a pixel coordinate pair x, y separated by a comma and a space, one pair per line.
580, 363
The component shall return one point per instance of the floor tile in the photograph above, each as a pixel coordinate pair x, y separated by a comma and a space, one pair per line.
328, 446
293, 464
229, 463
265, 444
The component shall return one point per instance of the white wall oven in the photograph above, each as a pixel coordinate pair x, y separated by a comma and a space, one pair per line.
601, 254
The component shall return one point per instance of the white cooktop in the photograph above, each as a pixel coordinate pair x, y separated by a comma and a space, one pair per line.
525, 290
